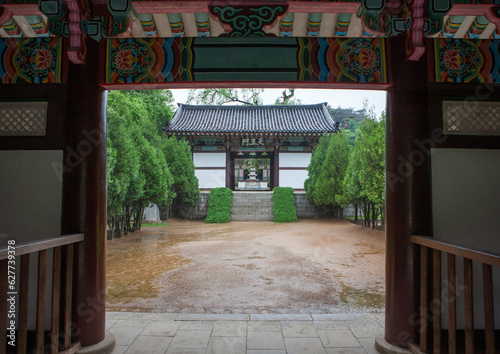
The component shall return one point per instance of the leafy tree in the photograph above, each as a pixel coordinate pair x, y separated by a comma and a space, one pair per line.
344, 115
351, 130
125, 183
156, 173
221, 96
138, 174
352, 184
160, 107
185, 183
245, 96
287, 98
364, 183
329, 184
315, 165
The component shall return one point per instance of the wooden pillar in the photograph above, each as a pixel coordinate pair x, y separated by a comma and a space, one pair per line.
409, 205
229, 169
276, 168
84, 193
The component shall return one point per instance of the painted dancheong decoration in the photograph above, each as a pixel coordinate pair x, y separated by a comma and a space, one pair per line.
249, 20
349, 60
467, 61
36, 61
146, 27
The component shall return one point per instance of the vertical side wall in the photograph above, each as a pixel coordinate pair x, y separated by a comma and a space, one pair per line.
466, 195
31, 181
466, 187
210, 169
293, 169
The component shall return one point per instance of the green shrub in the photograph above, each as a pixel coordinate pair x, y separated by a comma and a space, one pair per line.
284, 205
219, 205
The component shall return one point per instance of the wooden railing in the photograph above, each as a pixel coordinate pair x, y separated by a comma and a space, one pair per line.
431, 305
17, 257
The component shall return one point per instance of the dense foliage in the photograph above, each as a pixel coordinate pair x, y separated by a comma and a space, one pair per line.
141, 158
340, 174
328, 187
364, 184
284, 205
180, 161
315, 166
219, 205
344, 115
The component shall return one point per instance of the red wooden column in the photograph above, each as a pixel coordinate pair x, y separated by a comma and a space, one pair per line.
408, 198
84, 193
276, 167
229, 169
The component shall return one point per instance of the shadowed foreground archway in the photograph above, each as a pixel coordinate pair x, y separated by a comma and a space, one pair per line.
446, 53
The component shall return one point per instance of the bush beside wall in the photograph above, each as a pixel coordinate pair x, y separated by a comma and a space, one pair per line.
284, 205
219, 205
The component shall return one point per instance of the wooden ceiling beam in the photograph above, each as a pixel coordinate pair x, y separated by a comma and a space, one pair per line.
156, 7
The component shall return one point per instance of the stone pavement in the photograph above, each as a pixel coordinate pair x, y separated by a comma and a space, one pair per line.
241, 333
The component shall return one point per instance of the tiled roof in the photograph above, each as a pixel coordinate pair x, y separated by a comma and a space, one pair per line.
257, 119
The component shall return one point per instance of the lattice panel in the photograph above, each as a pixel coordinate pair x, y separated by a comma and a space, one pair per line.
471, 118
23, 118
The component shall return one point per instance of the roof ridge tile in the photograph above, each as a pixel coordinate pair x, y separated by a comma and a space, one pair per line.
312, 118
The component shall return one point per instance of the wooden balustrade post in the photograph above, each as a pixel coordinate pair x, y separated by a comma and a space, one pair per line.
489, 311
452, 305
469, 306
3, 304
22, 332
436, 302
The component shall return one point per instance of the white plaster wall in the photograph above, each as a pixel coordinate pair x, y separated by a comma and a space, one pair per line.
211, 178
297, 159
31, 190
209, 159
466, 207
293, 178
30, 208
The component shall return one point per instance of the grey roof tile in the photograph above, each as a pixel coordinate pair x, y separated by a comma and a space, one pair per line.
260, 119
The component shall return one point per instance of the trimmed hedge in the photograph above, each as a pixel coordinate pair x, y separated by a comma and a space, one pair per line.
284, 205
219, 205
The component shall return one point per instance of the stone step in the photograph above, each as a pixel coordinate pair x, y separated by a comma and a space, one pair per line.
252, 206
253, 218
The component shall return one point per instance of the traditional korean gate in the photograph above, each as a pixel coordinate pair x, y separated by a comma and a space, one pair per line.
423, 52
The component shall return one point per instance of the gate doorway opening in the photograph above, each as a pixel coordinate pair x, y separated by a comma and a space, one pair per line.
261, 266
253, 171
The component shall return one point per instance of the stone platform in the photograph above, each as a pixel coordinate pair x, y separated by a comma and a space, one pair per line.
172, 333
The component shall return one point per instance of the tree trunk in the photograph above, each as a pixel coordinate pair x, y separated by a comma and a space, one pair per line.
366, 214
374, 216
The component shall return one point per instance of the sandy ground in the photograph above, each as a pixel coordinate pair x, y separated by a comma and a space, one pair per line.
312, 266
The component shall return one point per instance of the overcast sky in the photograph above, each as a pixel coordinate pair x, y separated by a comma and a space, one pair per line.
335, 98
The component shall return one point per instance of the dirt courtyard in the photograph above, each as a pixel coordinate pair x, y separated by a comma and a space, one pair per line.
312, 266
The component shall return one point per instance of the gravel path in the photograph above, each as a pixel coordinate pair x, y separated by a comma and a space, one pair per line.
313, 266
